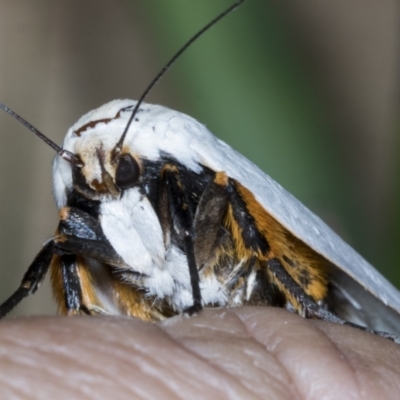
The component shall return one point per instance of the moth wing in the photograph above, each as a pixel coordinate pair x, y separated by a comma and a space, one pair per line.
366, 296
354, 303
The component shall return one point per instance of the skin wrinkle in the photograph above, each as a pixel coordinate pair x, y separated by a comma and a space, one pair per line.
106, 345
161, 364
123, 354
186, 350
364, 383
249, 386
206, 327
88, 371
142, 364
101, 358
196, 354
371, 347
42, 392
393, 379
64, 355
343, 355
111, 376
368, 365
348, 364
109, 345
160, 358
353, 360
288, 375
187, 343
100, 370
11, 389
282, 350
331, 343
218, 367
314, 388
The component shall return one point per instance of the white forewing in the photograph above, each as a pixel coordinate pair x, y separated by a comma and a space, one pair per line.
158, 130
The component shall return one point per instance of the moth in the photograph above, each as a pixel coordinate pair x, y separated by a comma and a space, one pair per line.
158, 217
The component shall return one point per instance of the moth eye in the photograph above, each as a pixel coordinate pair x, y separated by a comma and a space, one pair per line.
127, 173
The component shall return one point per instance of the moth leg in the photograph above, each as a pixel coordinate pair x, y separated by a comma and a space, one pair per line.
208, 222
32, 279
174, 212
72, 285
93, 309
208, 230
97, 249
77, 295
80, 234
311, 307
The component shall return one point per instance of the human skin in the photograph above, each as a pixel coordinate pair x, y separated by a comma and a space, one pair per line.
243, 353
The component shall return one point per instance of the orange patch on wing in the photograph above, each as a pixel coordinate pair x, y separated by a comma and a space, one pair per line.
305, 266
242, 251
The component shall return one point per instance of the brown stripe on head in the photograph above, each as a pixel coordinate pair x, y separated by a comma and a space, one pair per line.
92, 124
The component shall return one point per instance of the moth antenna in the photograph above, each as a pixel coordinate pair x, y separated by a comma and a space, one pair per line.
65, 154
118, 146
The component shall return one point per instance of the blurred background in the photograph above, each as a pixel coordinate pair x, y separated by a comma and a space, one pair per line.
308, 90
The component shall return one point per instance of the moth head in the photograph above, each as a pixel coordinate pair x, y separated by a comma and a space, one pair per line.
99, 169
99, 174
96, 169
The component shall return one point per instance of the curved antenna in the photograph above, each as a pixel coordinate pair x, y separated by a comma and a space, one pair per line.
118, 146
65, 154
